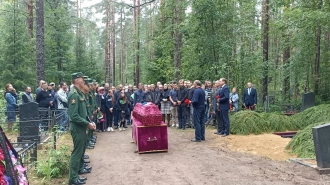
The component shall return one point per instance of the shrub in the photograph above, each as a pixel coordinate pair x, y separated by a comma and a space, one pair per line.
316, 114
56, 164
302, 143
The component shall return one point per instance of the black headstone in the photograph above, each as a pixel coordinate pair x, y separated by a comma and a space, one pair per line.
29, 122
308, 100
321, 138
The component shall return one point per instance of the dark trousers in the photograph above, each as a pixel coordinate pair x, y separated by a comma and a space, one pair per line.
108, 118
116, 116
218, 115
182, 116
199, 124
77, 155
225, 120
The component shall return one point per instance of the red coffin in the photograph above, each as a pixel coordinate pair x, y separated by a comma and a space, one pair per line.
150, 138
148, 114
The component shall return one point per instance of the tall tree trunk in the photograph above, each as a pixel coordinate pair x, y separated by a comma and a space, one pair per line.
113, 44
30, 17
317, 61
286, 63
318, 55
107, 47
40, 63
137, 45
177, 41
121, 48
265, 25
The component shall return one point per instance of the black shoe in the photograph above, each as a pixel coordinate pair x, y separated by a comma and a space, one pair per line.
85, 165
88, 168
85, 161
77, 182
116, 127
183, 128
203, 139
91, 143
93, 140
84, 171
89, 147
224, 135
125, 126
195, 140
94, 137
86, 157
83, 179
217, 132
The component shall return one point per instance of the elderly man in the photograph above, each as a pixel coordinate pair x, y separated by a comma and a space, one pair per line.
250, 97
27, 96
197, 102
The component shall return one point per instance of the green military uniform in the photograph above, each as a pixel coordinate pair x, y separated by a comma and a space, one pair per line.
89, 101
78, 125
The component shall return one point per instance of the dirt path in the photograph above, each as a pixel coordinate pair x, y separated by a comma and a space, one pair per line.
211, 162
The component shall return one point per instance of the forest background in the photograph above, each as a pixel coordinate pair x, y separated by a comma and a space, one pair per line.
281, 46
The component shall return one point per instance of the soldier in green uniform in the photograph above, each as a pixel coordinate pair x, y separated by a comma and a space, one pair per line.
78, 125
89, 101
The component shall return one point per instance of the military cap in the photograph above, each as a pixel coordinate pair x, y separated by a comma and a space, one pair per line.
89, 81
76, 75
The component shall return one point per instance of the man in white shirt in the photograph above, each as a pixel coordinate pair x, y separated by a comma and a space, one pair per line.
62, 99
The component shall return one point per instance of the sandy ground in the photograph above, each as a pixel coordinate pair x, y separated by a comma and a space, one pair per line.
215, 161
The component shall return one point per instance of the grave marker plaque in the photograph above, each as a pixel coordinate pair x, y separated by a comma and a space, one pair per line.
29, 122
308, 100
321, 139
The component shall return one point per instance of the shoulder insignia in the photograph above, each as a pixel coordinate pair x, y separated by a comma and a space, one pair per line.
73, 101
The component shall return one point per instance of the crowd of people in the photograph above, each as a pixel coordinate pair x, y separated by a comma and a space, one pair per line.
91, 107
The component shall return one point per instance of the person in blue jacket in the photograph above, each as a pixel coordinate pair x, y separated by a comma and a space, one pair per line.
11, 99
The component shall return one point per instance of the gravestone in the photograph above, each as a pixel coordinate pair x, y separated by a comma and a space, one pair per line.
308, 100
321, 139
29, 122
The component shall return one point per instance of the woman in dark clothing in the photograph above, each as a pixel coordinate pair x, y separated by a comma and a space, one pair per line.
165, 105
109, 99
101, 104
123, 106
11, 99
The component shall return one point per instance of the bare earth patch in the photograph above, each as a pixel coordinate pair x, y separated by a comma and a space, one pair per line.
265, 145
209, 162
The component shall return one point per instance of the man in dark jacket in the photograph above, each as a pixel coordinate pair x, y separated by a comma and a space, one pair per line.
116, 112
182, 95
27, 96
250, 97
152, 94
197, 102
223, 107
139, 95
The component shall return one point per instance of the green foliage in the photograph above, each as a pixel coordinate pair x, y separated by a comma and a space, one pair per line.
248, 122
302, 143
316, 114
56, 163
16, 49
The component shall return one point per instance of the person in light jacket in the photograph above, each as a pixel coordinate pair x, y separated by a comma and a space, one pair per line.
233, 100
62, 105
